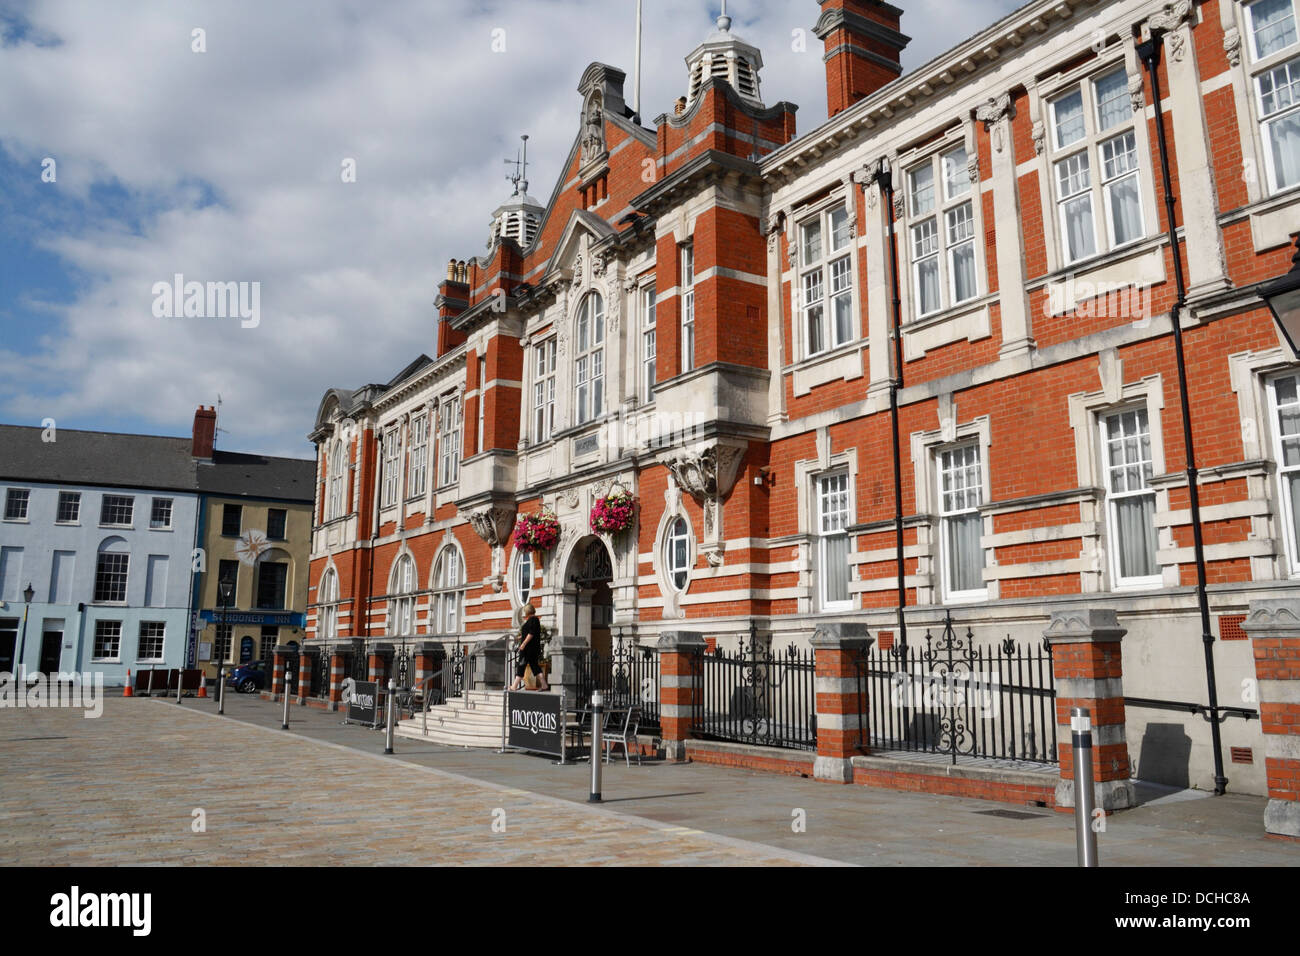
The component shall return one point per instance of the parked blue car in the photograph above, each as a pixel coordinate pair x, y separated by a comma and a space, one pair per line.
248, 678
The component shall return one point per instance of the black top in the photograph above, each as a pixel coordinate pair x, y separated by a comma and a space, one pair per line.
532, 628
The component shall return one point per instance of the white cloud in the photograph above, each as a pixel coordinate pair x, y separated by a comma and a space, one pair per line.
408, 88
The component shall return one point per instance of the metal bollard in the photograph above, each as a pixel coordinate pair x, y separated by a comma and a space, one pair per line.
287, 675
1084, 799
388, 733
221, 688
597, 745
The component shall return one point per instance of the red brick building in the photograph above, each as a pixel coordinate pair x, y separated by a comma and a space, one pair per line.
701, 314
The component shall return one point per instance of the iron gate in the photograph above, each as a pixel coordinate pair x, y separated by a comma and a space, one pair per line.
755, 695
628, 675
952, 697
320, 674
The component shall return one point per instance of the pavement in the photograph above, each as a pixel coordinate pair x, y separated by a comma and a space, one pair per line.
133, 786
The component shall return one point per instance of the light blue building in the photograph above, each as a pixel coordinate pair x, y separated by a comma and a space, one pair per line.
97, 535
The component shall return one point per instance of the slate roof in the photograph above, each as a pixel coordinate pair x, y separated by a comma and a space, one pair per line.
149, 462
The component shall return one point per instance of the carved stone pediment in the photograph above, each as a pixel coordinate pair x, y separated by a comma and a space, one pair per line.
706, 471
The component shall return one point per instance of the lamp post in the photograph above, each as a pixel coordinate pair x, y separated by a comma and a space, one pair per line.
28, 593
1283, 298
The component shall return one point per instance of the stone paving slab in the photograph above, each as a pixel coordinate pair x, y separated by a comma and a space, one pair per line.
123, 789
345, 785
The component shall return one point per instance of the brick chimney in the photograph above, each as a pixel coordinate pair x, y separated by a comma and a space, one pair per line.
205, 431
863, 49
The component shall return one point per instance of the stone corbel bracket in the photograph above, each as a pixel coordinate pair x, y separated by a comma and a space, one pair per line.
493, 524
707, 472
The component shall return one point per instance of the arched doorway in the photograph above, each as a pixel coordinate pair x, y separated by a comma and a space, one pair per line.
587, 587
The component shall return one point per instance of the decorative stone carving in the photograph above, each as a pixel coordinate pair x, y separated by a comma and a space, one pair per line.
1040, 136
900, 207
493, 524
1135, 92
706, 472
577, 271
1168, 21
599, 263
772, 230
1232, 45
792, 250
593, 129
569, 497
992, 113
973, 167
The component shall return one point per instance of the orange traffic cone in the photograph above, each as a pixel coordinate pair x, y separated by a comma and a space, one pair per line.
128, 691
203, 686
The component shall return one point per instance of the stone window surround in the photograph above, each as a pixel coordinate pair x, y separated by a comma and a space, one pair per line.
1241, 47
925, 447
806, 473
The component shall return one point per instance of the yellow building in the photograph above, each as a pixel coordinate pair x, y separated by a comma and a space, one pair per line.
254, 530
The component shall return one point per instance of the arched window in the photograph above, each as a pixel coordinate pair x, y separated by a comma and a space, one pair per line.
111, 566
448, 592
337, 481
524, 576
327, 612
589, 360
401, 607
677, 550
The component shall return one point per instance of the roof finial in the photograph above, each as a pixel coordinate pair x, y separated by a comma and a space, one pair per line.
724, 21
520, 176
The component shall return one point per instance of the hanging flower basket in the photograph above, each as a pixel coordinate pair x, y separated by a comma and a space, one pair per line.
613, 514
539, 532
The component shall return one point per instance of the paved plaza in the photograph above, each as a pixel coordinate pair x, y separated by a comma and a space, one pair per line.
125, 788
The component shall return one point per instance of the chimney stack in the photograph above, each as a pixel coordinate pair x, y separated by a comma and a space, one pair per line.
863, 49
205, 431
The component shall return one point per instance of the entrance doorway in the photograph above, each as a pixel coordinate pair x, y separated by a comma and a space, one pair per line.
588, 592
8, 643
51, 651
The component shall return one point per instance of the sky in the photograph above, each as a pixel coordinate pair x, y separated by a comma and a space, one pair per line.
129, 155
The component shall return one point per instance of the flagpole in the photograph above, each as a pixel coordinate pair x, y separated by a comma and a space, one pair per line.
636, 79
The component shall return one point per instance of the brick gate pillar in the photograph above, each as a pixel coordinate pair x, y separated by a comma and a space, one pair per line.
337, 664
841, 708
1274, 630
1088, 671
565, 652
427, 659
304, 674
681, 688
280, 657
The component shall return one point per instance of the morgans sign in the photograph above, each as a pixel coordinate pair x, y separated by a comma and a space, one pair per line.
536, 722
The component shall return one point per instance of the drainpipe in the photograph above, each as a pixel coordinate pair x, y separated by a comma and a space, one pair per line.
1149, 52
883, 177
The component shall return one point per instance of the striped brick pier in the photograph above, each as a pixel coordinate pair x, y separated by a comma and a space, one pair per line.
1088, 669
840, 706
279, 657
681, 688
338, 662
1274, 630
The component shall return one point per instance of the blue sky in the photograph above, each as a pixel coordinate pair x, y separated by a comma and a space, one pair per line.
224, 165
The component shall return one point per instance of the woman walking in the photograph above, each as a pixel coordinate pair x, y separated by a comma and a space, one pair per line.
530, 649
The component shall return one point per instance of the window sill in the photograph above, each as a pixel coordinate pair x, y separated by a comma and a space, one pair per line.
168, 529
106, 660
966, 597
117, 527
1143, 584
17, 521
1118, 254
108, 603
951, 312
812, 361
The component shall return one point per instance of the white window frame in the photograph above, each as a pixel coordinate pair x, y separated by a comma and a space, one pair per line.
686, 257
418, 463
543, 425
155, 523
589, 360
481, 433
952, 192
337, 466
673, 535
448, 603
327, 611
1276, 441
648, 342
842, 518
15, 495
1100, 188
116, 643
392, 465
955, 502
74, 498
827, 276
1286, 59
124, 572
450, 420
524, 577
1118, 580
401, 606
103, 511
161, 637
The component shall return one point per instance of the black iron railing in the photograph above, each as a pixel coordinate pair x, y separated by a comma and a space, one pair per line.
627, 676
952, 697
756, 695
320, 674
